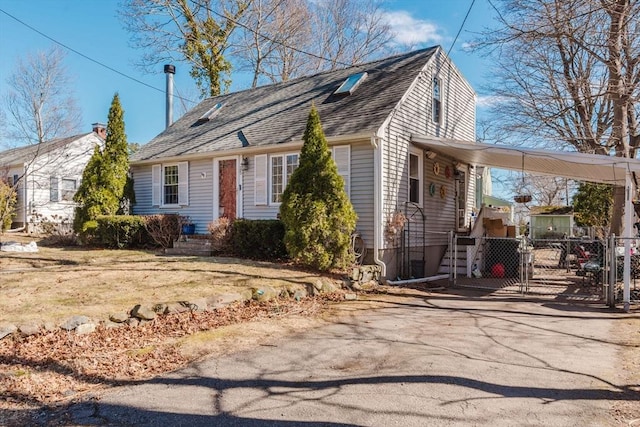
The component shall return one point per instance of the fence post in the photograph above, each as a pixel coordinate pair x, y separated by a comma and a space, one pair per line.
611, 297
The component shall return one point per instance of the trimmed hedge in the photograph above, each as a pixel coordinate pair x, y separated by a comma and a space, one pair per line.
258, 239
119, 231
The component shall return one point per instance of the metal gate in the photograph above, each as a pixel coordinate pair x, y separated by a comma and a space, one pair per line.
575, 268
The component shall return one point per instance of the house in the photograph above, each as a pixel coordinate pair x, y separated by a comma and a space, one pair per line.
551, 222
233, 154
46, 177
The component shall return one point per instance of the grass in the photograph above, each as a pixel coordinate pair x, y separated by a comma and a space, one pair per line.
56, 283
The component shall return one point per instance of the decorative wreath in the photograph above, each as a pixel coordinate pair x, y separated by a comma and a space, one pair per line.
443, 192
432, 189
436, 168
447, 172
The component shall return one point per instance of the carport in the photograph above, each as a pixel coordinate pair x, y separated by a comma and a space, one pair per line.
579, 166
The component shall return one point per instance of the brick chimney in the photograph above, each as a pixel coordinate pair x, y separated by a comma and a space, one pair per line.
100, 129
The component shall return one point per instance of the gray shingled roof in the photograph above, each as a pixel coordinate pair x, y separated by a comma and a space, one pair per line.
26, 154
278, 113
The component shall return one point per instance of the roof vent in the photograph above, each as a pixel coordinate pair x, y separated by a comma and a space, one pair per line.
210, 113
350, 85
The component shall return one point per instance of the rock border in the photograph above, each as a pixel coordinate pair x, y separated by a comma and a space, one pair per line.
141, 313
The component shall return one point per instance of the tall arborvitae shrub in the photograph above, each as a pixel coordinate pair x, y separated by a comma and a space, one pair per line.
316, 211
104, 181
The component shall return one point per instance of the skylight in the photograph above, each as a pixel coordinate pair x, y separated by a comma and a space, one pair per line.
351, 83
210, 113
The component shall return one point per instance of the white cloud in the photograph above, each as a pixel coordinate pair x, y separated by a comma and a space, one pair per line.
410, 31
468, 46
488, 101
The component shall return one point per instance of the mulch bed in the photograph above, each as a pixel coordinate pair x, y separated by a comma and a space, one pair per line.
51, 369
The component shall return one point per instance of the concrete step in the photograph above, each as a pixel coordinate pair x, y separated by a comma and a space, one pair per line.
188, 251
193, 244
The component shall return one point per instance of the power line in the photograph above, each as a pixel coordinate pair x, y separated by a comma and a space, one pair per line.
461, 26
87, 57
272, 40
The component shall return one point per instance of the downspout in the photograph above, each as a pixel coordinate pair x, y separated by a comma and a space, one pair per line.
377, 144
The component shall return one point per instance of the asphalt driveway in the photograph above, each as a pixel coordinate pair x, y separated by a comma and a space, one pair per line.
422, 359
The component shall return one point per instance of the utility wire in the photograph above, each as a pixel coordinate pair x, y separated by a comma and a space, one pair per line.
272, 40
88, 57
461, 26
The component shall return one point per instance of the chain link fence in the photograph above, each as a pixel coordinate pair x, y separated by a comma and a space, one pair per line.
572, 267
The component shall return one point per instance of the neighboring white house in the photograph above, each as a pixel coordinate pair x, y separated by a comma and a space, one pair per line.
233, 154
47, 176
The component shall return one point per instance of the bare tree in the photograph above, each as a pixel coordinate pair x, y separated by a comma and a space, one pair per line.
568, 72
348, 32
193, 31
283, 39
272, 30
39, 104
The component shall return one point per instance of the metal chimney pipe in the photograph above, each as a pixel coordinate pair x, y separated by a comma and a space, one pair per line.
169, 70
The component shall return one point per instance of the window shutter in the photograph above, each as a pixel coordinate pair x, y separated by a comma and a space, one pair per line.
260, 179
342, 157
155, 185
183, 184
53, 189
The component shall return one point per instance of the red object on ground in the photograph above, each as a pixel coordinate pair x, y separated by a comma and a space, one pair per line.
497, 270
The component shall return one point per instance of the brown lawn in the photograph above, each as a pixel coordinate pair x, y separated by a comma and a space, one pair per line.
56, 283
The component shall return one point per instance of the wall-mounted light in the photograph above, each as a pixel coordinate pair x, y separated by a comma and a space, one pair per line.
430, 154
245, 163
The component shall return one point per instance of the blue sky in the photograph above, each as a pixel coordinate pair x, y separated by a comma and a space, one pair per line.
93, 28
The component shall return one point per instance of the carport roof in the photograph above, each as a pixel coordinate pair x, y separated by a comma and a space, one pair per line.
578, 166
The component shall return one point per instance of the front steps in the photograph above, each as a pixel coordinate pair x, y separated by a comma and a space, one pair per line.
190, 246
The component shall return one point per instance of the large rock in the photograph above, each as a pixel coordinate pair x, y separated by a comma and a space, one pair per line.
300, 294
264, 293
85, 328
28, 329
176, 307
199, 304
119, 317
74, 322
7, 329
143, 313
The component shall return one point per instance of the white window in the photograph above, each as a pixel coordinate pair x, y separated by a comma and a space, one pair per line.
53, 189
282, 167
68, 188
351, 83
437, 101
170, 184
415, 178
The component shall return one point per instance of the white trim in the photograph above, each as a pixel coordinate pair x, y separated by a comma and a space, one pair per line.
419, 154
436, 78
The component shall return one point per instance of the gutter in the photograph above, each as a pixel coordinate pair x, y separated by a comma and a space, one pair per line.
377, 143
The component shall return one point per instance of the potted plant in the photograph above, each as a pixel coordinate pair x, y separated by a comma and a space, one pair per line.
188, 227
